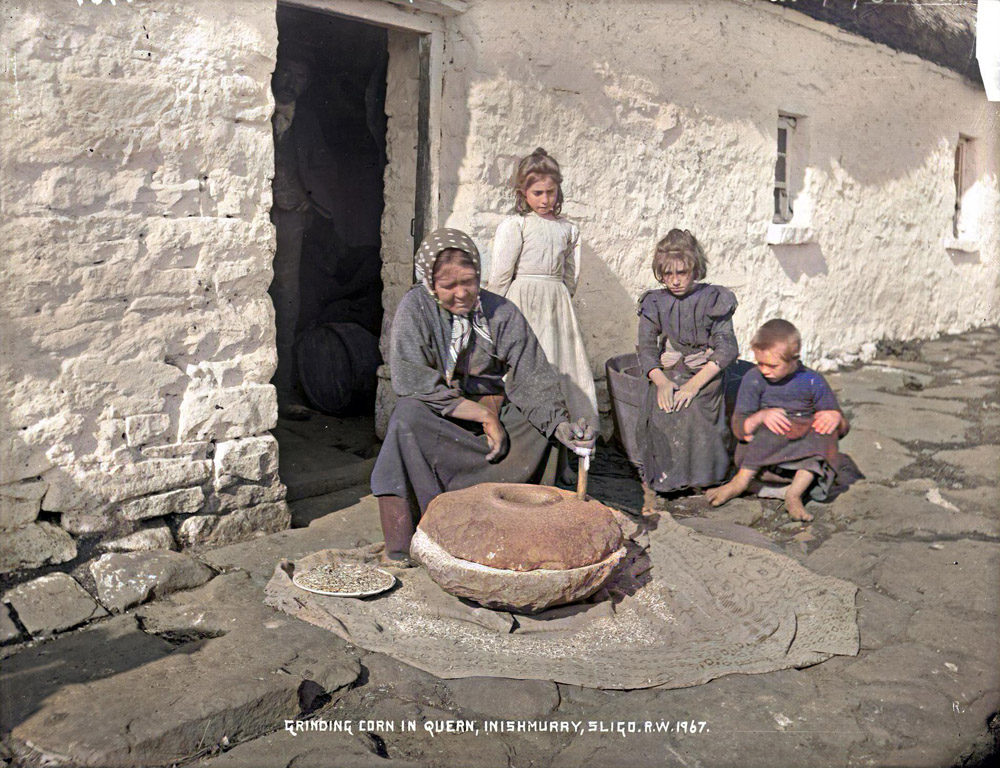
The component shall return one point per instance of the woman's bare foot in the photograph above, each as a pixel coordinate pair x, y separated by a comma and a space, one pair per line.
796, 509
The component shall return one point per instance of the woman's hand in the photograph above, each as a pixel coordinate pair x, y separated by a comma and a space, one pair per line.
826, 422
579, 437
665, 395
684, 395
497, 438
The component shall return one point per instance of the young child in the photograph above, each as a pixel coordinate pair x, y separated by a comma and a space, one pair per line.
686, 340
536, 264
788, 421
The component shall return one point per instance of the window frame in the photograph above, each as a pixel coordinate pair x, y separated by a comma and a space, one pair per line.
783, 211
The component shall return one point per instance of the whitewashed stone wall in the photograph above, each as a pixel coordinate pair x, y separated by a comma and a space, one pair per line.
138, 336
401, 107
663, 114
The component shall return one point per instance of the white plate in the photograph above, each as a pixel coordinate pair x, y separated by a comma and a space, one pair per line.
390, 585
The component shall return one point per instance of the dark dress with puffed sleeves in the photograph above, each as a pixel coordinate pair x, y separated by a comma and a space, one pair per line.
689, 448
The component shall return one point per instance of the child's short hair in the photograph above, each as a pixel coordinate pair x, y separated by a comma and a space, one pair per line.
531, 169
680, 245
775, 333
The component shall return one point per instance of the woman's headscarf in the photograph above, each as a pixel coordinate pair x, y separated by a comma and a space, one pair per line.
461, 326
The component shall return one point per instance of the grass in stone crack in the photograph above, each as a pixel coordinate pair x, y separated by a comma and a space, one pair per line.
345, 578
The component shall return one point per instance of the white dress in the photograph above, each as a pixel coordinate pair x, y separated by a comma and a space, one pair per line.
536, 264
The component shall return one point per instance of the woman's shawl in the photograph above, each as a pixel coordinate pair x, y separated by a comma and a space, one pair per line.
418, 357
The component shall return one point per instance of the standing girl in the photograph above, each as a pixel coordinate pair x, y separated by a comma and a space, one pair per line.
536, 265
686, 340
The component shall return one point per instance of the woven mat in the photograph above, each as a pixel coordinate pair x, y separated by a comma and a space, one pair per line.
686, 608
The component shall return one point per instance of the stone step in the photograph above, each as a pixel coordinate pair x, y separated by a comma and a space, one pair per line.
176, 680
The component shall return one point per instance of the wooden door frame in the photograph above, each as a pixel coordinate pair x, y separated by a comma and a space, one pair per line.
425, 18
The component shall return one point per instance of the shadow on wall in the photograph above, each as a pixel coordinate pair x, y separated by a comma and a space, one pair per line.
960, 258
600, 286
799, 260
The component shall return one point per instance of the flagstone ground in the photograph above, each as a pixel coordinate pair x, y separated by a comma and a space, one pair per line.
208, 676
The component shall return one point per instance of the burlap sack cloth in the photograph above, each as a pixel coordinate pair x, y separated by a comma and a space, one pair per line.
685, 608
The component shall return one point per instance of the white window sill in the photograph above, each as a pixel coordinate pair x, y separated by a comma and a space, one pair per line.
789, 234
963, 244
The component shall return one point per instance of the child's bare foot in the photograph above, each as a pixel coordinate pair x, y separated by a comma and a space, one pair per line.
741, 480
796, 509
719, 496
793, 496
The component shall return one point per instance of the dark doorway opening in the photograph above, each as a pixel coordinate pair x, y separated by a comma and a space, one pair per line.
330, 154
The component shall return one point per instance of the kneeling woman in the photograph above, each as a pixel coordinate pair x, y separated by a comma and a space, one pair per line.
479, 400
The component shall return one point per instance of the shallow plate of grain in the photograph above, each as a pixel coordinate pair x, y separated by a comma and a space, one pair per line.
344, 580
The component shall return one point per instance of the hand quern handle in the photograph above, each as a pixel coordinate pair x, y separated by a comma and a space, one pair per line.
581, 477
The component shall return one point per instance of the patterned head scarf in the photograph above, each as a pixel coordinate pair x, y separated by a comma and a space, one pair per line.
431, 247
462, 326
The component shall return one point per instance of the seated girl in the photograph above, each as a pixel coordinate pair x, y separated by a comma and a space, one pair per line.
686, 339
788, 421
479, 401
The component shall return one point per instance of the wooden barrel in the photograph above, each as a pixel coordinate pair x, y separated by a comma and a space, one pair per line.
337, 365
627, 388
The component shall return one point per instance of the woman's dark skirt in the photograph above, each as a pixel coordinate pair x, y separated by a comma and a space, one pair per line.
689, 448
425, 454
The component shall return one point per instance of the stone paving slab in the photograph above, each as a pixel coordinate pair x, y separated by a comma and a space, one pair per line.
852, 393
873, 509
238, 671
877, 456
957, 391
127, 579
961, 574
53, 603
30, 678
982, 461
920, 537
8, 629
901, 424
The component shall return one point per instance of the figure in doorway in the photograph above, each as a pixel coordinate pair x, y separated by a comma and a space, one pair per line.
304, 185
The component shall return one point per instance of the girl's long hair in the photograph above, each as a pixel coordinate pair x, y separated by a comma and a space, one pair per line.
680, 245
529, 170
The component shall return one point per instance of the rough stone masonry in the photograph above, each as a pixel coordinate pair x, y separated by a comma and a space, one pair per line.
138, 335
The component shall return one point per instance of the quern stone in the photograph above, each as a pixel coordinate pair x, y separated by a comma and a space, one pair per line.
521, 527
518, 547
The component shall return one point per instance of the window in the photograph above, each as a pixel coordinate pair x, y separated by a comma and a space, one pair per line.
963, 178
791, 221
783, 170
963, 234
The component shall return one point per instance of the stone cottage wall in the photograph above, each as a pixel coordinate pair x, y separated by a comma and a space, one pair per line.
138, 336
401, 108
663, 114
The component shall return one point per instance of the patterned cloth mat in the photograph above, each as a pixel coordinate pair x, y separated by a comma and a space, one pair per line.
684, 609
